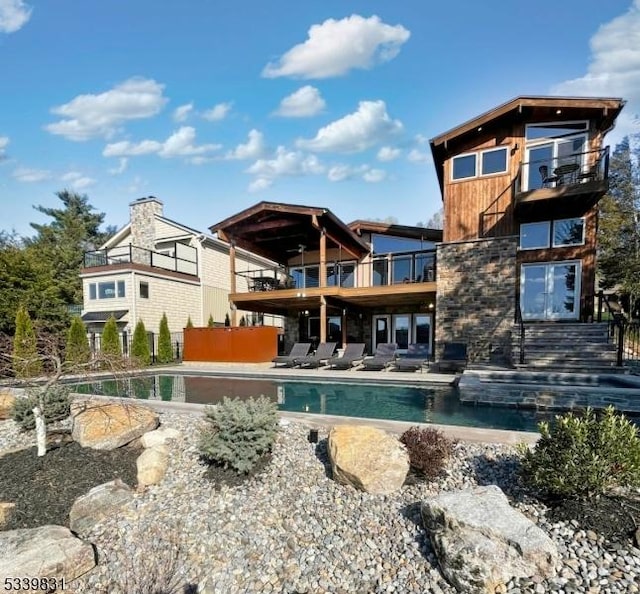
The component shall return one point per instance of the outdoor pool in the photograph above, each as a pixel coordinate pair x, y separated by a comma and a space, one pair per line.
431, 404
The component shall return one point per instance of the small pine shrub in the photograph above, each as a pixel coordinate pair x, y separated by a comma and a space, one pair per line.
77, 351
240, 432
165, 351
140, 344
189, 323
26, 362
243, 321
54, 402
583, 455
429, 450
210, 322
227, 319
110, 341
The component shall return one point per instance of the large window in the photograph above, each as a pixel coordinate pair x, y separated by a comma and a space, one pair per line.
494, 161
464, 166
568, 232
559, 233
106, 290
534, 235
487, 162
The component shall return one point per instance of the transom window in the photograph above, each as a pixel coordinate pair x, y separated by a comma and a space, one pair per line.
487, 162
558, 233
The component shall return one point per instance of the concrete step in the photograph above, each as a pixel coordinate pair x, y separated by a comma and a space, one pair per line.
559, 368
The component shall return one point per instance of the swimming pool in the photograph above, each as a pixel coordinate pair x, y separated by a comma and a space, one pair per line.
432, 404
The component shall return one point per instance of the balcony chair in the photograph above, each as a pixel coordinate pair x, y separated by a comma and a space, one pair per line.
299, 350
546, 178
324, 353
353, 354
454, 357
382, 358
417, 357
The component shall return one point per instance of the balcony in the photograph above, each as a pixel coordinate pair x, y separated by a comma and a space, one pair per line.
180, 258
579, 179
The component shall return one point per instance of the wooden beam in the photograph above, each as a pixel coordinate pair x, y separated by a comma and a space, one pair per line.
323, 319
323, 259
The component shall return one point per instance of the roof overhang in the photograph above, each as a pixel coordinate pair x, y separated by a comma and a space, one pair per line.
410, 232
103, 316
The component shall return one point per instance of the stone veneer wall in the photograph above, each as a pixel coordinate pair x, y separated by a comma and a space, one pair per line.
143, 226
476, 297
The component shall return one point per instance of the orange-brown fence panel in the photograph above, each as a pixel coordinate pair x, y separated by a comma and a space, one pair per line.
241, 344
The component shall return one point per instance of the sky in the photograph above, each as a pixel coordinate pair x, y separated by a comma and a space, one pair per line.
215, 106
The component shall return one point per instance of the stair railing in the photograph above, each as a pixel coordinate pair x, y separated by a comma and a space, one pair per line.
521, 325
616, 325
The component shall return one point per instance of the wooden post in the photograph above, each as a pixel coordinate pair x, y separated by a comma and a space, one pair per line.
343, 325
323, 319
232, 282
323, 259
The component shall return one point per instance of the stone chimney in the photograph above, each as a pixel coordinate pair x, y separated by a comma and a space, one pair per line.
142, 218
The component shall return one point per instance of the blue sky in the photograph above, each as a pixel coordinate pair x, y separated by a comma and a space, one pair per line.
214, 106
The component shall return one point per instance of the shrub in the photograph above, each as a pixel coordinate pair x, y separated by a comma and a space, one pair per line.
429, 450
54, 402
140, 344
165, 351
227, 319
110, 341
240, 432
243, 321
77, 350
583, 455
26, 362
189, 323
210, 322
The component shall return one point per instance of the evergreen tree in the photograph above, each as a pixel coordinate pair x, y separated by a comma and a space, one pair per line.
189, 323
227, 319
140, 344
211, 323
243, 321
165, 352
110, 342
25, 348
77, 350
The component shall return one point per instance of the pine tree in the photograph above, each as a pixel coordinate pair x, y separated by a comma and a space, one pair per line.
227, 319
77, 350
165, 352
25, 348
243, 321
189, 323
140, 344
211, 323
110, 343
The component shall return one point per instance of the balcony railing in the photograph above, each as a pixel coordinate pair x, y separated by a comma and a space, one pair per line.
181, 258
563, 171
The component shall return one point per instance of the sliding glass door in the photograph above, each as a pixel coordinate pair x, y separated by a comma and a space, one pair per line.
550, 291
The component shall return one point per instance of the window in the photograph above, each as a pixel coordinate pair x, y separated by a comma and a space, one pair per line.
568, 232
494, 161
92, 291
464, 166
144, 290
380, 272
120, 288
554, 130
106, 290
534, 235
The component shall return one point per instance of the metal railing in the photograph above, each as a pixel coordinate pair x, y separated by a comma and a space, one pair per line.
562, 171
521, 328
186, 263
624, 333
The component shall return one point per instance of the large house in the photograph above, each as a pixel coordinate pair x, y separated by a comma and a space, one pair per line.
155, 265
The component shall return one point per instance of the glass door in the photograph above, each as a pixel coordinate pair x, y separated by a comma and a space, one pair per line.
550, 291
381, 330
401, 328
558, 161
422, 329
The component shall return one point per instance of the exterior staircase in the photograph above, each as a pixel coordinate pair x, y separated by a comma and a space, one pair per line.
565, 347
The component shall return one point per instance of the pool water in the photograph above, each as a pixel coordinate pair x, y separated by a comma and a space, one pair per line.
433, 404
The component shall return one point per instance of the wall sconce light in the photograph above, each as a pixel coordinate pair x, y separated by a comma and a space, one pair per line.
558, 111
431, 305
306, 312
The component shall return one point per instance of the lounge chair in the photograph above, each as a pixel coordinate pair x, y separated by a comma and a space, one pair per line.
382, 358
353, 354
324, 352
417, 357
454, 357
299, 350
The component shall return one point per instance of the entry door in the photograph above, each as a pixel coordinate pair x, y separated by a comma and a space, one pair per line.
550, 291
381, 330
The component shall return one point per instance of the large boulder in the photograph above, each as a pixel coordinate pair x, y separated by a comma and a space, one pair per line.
99, 503
152, 465
482, 542
109, 425
367, 458
47, 551
159, 436
7, 399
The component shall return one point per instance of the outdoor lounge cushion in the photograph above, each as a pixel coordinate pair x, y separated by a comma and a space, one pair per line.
454, 357
353, 353
383, 357
324, 353
299, 350
416, 358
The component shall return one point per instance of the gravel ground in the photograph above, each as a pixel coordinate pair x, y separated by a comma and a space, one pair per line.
292, 529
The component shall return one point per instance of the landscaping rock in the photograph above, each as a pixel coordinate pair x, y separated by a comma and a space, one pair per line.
159, 436
482, 542
152, 465
99, 503
108, 425
6, 511
47, 551
7, 400
367, 458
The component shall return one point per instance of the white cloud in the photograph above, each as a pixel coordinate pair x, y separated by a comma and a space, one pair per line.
339, 173
387, 153
78, 181
355, 132
421, 139
335, 47
136, 185
305, 102
373, 176
283, 164
180, 114
416, 156
4, 142
27, 175
14, 14
92, 116
614, 68
180, 144
217, 112
121, 168
253, 148
343, 172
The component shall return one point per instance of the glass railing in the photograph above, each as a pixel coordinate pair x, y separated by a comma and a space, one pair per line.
182, 258
408, 267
